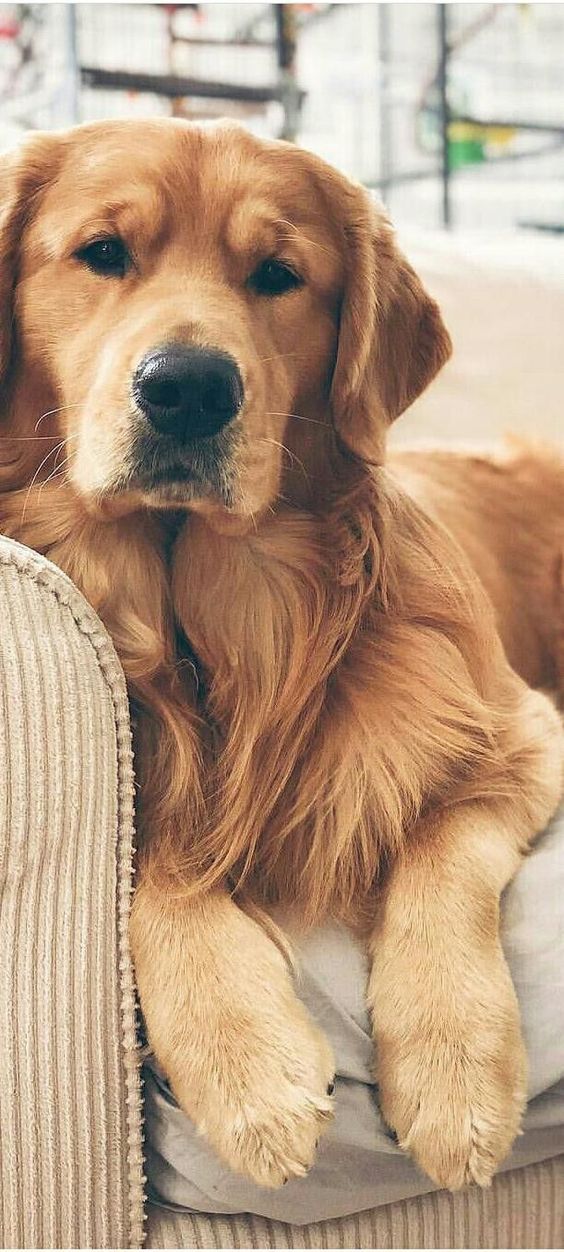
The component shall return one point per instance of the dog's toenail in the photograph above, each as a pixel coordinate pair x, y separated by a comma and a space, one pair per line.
331, 1088
285, 1181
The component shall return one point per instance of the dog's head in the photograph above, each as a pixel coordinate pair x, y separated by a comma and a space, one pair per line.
187, 298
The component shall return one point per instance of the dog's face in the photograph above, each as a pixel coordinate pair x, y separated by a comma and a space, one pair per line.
186, 296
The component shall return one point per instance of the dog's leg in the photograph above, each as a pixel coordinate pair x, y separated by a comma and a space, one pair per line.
243, 1057
450, 1059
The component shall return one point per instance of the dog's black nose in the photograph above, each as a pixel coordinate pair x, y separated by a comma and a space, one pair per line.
187, 391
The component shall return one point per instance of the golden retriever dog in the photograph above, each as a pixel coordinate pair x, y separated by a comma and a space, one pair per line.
332, 661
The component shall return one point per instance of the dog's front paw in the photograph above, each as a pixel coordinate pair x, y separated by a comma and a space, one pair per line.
268, 1099
270, 1129
454, 1104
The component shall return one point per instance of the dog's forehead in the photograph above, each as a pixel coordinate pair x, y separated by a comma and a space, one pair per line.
203, 173
149, 151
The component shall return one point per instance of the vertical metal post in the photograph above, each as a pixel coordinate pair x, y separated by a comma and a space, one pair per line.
384, 111
72, 107
442, 80
286, 33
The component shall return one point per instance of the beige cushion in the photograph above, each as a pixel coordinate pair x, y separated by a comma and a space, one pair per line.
522, 1209
502, 299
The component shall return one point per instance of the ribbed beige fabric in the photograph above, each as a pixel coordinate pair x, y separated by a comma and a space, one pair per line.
70, 1118
522, 1209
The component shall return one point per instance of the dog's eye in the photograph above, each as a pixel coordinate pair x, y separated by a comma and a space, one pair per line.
274, 278
105, 256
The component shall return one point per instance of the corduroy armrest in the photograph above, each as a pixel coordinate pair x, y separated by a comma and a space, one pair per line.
70, 1115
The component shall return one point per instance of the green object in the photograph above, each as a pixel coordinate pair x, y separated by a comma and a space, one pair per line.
465, 152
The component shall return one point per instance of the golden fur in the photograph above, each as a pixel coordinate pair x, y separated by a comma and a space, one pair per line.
317, 648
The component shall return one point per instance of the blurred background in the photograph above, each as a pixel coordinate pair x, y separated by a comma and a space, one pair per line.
454, 113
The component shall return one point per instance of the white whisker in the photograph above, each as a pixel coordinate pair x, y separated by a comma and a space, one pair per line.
292, 455
57, 472
51, 412
51, 452
299, 418
31, 438
280, 356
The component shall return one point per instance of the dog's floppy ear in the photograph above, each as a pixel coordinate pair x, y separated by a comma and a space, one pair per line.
392, 340
23, 174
